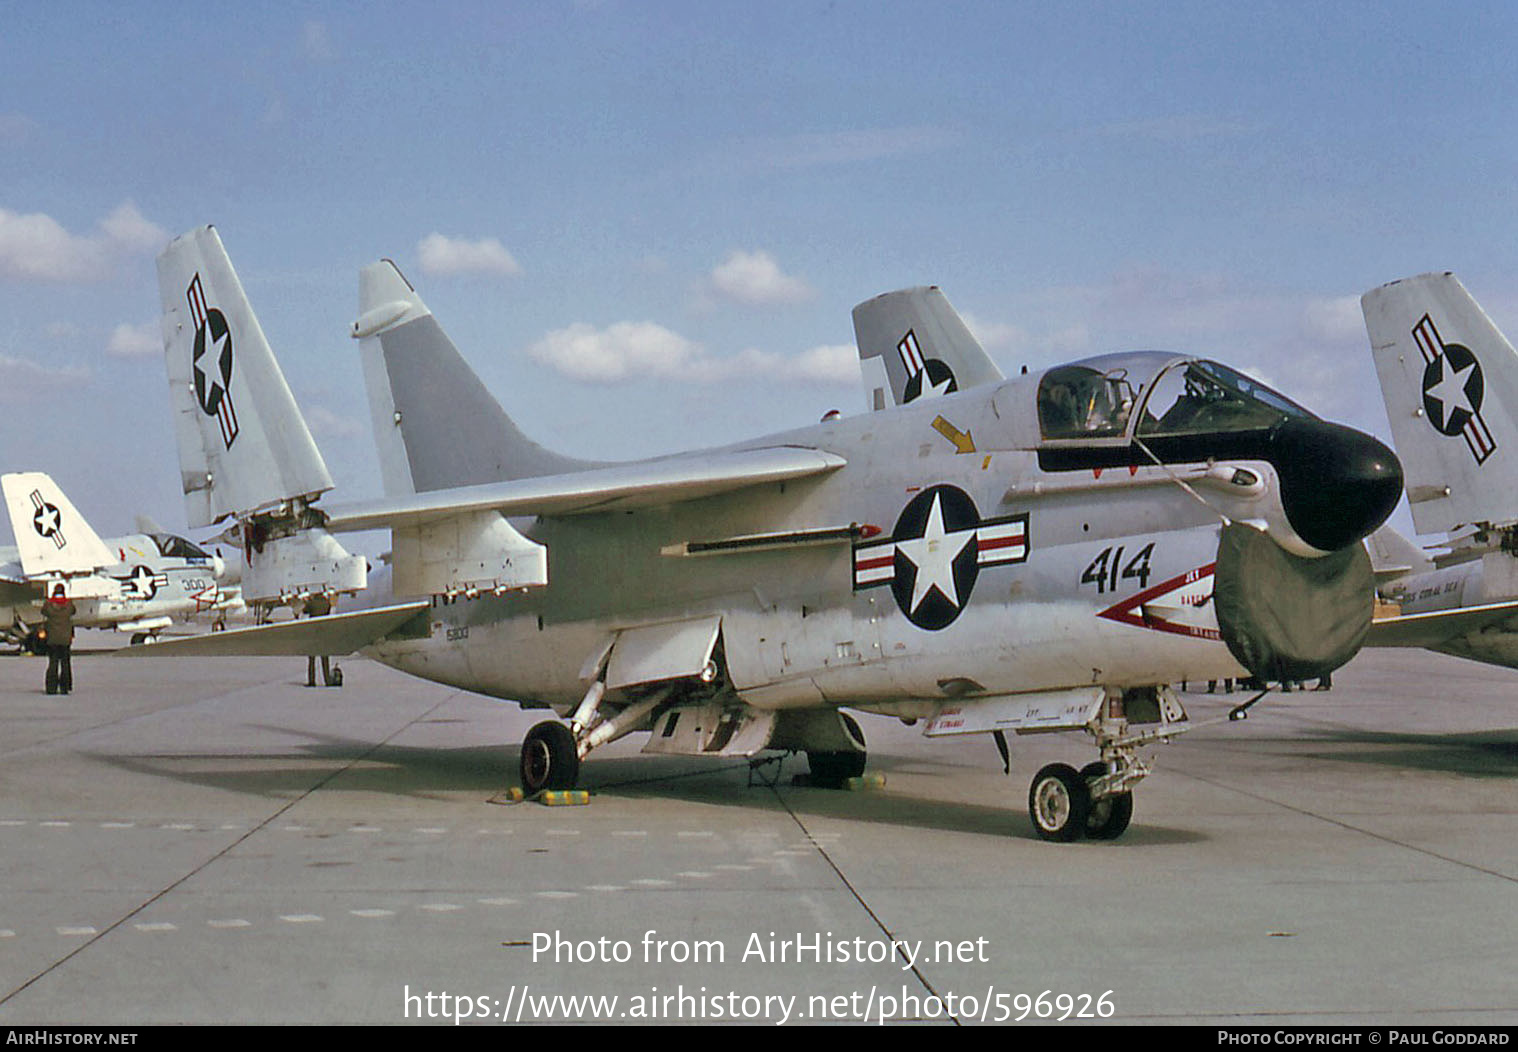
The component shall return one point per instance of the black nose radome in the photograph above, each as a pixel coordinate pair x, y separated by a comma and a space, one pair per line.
1337, 484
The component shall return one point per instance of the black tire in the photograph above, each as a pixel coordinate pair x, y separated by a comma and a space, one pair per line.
1059, 803
337, 678
1109, 817
549, 758
831, 769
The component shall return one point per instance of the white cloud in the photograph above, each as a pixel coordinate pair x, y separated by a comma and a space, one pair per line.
36, 247
135, 341
127, 229
633, 350
1338, 320
324, 423
627, 348
755, 278
448, 255
23, 380
994, 335
828, 364
831, 364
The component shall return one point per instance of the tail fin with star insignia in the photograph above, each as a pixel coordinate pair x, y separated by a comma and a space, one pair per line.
53, 539
243, 444
913, 345
1450, 381
436, 425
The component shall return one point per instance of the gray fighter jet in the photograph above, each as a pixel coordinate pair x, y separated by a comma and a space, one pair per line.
1037, 554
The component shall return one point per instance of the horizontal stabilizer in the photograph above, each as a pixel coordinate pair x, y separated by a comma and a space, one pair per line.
601, 489
1439, 626
334, 636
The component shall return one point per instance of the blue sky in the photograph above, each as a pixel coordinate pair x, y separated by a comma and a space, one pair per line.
645, 223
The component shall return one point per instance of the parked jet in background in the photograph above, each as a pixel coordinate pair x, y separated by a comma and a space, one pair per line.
1450, 381
1044, 553
140, 583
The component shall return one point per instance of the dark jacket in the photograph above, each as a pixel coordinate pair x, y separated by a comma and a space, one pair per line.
58, 620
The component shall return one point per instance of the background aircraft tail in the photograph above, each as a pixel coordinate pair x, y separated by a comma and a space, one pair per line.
913, 345
435, 423
52, 537
1393, 555
1450, 381
243, 444
244, 448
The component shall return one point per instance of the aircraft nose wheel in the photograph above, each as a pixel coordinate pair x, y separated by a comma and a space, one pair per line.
549, 758
1109, 816
1059, 803
1062, 808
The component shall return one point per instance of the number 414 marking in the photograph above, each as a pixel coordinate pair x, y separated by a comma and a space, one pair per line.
1104, 569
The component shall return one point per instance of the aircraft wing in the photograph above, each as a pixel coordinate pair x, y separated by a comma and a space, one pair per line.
12, 573
601, 489
1439, 626
334, 635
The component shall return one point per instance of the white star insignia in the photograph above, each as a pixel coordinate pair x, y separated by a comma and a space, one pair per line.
933, 554
937, 390
1449, 392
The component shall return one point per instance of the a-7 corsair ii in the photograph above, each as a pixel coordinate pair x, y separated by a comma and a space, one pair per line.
1044, 553
138, 583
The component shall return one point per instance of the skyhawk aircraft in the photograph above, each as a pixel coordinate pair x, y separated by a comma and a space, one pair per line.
1037, 554
139, 583
1450, 381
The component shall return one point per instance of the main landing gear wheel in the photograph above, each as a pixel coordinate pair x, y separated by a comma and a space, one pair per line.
1109, 816
549, 758
1059, 803
829, 770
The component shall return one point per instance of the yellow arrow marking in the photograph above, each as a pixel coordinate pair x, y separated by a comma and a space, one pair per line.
960, 440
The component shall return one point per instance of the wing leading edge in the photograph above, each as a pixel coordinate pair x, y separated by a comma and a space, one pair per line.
335, 635
1439, 626
644, 484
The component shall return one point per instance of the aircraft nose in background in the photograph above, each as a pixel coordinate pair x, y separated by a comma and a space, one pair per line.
1337, 484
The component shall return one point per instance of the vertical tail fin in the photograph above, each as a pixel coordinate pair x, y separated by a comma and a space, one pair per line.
53, 538
243, 444
1450, 381
435, 423
1393, 555
244, 448
922, 345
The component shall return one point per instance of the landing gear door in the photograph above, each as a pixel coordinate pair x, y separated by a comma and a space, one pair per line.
656, 653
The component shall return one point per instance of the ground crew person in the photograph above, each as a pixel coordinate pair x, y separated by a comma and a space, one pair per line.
319, 605
58, 635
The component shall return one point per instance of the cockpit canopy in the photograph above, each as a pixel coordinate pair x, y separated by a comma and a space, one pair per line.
1097, 398
173, 547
